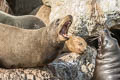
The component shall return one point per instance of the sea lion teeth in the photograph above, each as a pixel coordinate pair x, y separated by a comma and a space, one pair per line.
65, 26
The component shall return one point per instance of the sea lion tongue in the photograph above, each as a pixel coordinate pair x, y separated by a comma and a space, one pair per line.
64, 26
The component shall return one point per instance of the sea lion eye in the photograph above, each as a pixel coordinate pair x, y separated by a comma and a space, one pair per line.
57, 21
80, 44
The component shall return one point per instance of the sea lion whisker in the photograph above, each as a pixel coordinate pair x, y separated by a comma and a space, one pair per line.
94, 38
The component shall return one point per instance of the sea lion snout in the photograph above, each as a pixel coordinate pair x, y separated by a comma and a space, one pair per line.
63, 26
107, 65
106, 39
70, 17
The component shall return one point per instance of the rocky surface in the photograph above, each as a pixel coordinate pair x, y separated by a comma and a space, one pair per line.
4, 6
24, 7
68, 66
74, 66
44, 13
89, 15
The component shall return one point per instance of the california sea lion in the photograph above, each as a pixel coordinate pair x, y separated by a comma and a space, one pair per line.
75, 44
26, 21
30, 48
108, 59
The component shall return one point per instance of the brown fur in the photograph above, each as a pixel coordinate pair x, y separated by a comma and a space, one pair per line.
44, 13
31, 48
75, 44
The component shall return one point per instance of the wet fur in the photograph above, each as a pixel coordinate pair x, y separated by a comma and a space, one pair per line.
108, 59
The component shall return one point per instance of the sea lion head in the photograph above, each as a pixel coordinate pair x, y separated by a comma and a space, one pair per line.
76, 44
107, 42
58, 29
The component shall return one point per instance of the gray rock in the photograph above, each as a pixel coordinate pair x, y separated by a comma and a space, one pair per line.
89, 15
69, 66
72, 66
24, 7
4, 6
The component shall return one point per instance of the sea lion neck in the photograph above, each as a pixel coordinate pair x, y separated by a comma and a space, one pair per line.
54, 39
107, 65
32, 48
107, 43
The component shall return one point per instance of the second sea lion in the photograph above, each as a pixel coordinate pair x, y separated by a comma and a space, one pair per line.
75, 44
32, 48
108, 58
26, 21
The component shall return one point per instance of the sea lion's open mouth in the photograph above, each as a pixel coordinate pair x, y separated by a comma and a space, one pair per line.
65, 28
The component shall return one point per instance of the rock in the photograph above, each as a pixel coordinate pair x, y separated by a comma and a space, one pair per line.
66, 67
24, 7
43, 13
89, 15
69, 66
4, 6
46, 2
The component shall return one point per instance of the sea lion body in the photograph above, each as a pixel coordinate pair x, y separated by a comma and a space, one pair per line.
108, 59
26, 21
31, 48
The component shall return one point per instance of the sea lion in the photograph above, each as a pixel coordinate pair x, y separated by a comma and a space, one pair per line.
26, 21
75, 44
44, 13
31, 48
108, 58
